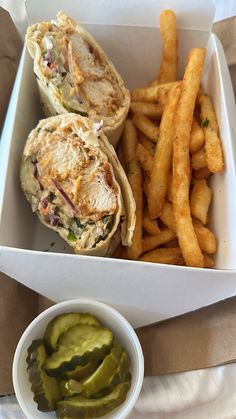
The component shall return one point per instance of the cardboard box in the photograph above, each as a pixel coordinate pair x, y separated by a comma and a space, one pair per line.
143, 292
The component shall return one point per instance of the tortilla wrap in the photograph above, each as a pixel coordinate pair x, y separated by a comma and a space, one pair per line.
75, 75
76, 185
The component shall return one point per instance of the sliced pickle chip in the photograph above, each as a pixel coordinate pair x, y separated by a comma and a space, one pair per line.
120, 374
101, 377
78, 346
81, 407
61, 324
69, 100
45, 388
70, 387
82, 372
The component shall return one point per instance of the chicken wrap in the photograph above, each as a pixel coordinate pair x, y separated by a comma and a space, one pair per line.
74, 182
75, 75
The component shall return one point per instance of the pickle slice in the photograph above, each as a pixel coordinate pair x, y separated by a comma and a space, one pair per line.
82, 372
119, 375
81, 407
78, 346
101, 377
70, 387
45, 388
61, 324
69, 101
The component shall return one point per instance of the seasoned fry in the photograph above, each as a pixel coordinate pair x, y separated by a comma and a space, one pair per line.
213, 148
150, 226
151, 242
146, 180
181, 165
206, 238
151, 110
134, 174
146, 126
154, 82
169, 192
177, 147
203, 173
197, 138
168, 255
148, 144
145, 159
149, 94
167, 216
208, 261
163, 155
200, 200
169, 62
172, 243
198, 159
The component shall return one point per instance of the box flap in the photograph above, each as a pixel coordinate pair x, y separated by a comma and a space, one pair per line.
196, 15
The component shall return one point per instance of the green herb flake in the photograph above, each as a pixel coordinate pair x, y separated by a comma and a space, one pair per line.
71, 237
205, 123
49, 130
39, 129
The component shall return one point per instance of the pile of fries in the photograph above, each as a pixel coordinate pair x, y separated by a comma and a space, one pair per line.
170, 147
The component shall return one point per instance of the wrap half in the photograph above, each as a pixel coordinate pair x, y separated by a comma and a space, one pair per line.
73, 180
75, 75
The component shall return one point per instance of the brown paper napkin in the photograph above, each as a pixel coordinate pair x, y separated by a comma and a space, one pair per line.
10, 50
200, 339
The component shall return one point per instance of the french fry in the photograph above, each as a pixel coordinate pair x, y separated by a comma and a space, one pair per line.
148, 144
150, 226
181, 165
198, 159
168, 255
169, 192
145, 159
169, 61
146, 126
151, 110
203, 173
206, 238
167, 216
163, 155
208, 261
149, 94
151, 242
154, 82
172, 243
200, 200
146, 180
197, 138
162, 97
134, 174
213, 148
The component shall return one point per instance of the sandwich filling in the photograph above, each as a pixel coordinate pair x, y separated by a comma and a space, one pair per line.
70, 183
84, 80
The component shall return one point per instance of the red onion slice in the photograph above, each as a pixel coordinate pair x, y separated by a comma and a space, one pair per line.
64, 194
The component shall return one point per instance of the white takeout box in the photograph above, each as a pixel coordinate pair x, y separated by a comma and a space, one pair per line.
143, 292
